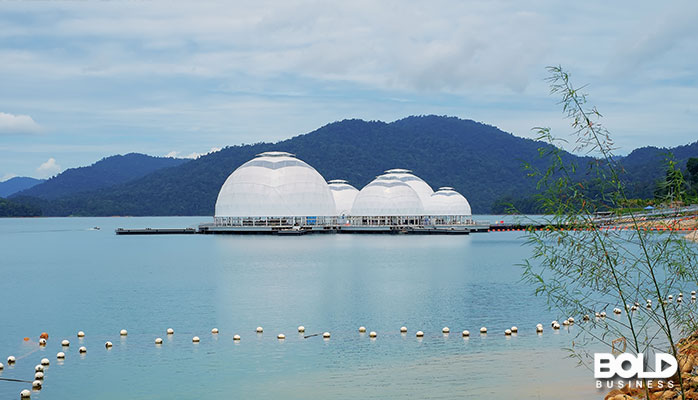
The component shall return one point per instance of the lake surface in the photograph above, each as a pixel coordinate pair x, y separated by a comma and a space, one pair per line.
58, 276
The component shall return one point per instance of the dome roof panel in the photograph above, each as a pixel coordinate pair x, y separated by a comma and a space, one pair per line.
446, 201
275, 184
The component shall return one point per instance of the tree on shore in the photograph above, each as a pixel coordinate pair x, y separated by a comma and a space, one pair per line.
627, 284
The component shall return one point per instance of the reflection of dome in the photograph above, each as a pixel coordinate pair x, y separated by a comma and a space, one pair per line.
387, 196
344, 195
405, 175
446, 201
275, 184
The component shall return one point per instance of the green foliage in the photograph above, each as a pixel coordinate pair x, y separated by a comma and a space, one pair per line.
10, 208
692, 171
584, 269
673, 189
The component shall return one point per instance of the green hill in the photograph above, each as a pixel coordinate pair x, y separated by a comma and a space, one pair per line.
479, 160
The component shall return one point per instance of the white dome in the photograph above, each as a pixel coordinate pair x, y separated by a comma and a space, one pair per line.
446, 201
275, 184
405, 175
344, 195
387, 196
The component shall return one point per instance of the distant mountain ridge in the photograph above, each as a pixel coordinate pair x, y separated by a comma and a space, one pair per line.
480, 161
17, 184
106, 172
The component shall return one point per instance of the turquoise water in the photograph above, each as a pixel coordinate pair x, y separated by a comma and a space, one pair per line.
58, 276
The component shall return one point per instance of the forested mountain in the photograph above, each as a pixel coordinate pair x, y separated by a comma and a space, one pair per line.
481, 161
106, 172
643, 167
17, 184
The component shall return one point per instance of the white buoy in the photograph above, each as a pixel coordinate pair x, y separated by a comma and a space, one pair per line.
556, 326
362, 329
65, 343
11, 360
36, 385
466, 333
670, 297
259, 329
570, 320
403, 329
123, 332
419, 334
42, 342
507, 332
445, 330
214, 331
372, 334
81, 334
326, 335
565, 323
301, 329
514, 329
597, 315
693, 292
603, 314
553, 323
83, 349
483, 330
617, 311
281, 336
195, 339
108, 345
39, 375
25, 394
170, 331
2, 366
60, 355
539, 328
39, 368
158, 340
236, 337
45, 362
585, 317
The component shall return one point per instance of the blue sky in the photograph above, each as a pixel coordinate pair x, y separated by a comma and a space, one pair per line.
81, 80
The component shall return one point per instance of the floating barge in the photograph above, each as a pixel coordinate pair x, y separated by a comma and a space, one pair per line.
211, 229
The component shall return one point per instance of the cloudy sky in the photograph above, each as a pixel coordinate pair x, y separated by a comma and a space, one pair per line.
81, 80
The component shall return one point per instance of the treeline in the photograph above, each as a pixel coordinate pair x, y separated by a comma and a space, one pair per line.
10, 208
678, 186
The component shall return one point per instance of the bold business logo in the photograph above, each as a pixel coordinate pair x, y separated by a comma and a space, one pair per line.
629, 366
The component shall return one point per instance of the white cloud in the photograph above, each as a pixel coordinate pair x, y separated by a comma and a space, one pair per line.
11, 124
7, 177
49, 168
193, 155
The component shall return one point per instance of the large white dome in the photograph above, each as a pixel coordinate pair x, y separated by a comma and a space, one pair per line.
344, 195
275, 184
387, 196
418, 184
446, 201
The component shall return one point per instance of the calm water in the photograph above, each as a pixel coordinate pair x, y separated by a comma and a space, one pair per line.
58, 276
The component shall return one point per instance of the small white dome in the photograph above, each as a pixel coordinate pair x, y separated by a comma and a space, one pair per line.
387, 196
446, 201
344, 195
405, 175
275, 184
